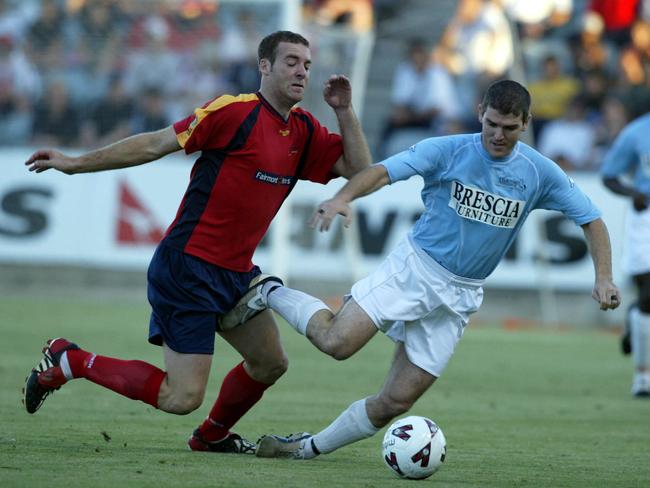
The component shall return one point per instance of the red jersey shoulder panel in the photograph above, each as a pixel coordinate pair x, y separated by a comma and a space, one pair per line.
213, 125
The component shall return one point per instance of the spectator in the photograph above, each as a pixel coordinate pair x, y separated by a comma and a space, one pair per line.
634, 62
16, 19
480, 38
595, 87
613, 118
110, 118
551, 94
47, 32
239, 51
618, 17
151, 65
590, 52
423, 96
58, 120
354, 14
17, 72
16, 116
151, 114
539, 24
570, 140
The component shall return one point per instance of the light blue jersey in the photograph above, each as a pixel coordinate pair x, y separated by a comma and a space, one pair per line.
475, 205
630, 154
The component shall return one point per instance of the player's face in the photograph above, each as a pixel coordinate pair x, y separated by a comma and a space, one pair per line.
289, 74
499, 132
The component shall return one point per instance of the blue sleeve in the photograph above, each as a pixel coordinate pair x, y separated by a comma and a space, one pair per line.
559, 192
423, 158
622, 157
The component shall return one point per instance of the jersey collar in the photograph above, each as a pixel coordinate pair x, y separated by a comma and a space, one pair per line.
270, 108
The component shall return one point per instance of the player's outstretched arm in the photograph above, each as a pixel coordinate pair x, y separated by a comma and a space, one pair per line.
367, 181
131, 151
605, 292
356, 153
640, 200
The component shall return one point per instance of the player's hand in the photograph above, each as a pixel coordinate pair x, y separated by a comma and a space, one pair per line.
324, 214
45, 159
640, 202
338, 92
607, 295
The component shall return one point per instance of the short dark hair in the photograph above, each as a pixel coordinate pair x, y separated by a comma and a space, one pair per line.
507, 97
269, 45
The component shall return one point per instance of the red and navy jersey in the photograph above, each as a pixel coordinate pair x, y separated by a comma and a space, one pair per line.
250, 160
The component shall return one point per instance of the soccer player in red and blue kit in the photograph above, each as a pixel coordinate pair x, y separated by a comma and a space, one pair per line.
253, 150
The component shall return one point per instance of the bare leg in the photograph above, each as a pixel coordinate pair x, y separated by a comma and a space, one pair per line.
183, 388
343, 334
258, 341
404, 384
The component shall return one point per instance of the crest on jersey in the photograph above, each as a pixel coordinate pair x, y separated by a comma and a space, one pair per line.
284, 133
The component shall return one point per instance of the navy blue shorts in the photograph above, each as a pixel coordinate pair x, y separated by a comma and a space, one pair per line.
187, 295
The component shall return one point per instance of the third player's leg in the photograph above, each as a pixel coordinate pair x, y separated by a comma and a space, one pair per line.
643, 284
404, 384
343, 334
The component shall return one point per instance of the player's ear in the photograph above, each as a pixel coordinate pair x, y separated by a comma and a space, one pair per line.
264, 66
480, 112
528, 120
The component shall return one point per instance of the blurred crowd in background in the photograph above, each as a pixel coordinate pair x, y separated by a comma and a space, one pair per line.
585, 62
82, 73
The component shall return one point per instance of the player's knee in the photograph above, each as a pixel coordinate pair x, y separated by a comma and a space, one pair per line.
337, 347
341, 352
335, 350
183, 402
269, 370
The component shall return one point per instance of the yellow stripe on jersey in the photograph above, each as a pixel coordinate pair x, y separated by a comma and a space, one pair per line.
202, 112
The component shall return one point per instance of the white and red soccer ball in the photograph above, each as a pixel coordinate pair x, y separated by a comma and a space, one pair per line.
414, 447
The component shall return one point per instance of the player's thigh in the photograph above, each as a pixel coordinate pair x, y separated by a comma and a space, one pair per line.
187, 374
405, 382
258, 342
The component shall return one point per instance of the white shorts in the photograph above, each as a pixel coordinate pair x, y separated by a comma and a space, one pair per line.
636, 249
414, 300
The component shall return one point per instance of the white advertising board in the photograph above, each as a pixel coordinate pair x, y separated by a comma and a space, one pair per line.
113, 220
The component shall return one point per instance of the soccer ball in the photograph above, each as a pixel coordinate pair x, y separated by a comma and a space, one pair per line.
414, 447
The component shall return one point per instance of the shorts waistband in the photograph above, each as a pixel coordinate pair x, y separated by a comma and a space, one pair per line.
440, 269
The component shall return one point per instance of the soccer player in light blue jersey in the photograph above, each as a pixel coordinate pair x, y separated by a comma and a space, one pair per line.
630, 156
478, 191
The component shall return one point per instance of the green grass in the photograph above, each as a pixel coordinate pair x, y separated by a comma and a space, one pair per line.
528, 408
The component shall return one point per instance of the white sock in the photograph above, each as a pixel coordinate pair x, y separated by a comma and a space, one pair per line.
640, 338
351, 426
295, 306
65, 366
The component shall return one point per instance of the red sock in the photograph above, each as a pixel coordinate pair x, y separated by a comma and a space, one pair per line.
133, 379
239, 392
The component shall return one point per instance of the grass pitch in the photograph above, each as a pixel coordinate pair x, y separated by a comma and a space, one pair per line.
529, 408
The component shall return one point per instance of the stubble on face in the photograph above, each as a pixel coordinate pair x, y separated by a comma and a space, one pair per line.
500, 132
290, 71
